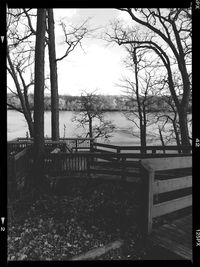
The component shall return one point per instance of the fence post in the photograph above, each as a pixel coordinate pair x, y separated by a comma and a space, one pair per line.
154, 151
147, 199
123, 168
118, 153
91, 145
14, 168
150, 179
88, 166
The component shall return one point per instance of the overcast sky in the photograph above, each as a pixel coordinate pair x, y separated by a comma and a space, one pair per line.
100, 66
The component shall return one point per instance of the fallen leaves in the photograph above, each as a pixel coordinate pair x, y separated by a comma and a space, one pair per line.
59, 227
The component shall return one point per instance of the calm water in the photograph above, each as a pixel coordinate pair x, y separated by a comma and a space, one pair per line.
125, 133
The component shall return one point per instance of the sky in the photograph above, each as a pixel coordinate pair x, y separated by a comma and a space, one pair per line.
100, 66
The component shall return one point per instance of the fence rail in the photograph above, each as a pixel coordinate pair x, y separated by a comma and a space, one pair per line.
18, 166
65, 163
65, 144
88, 144
142, 150
72, 156
156, 187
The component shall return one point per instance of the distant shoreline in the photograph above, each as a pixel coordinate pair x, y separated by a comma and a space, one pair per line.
106, 110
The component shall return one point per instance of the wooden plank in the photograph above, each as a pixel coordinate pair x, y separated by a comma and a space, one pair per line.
105, 145
97, 252
172, 205
113, 172
21, 153
184, 223
172, 184
167, 163
176, 234
150, 200
173, 246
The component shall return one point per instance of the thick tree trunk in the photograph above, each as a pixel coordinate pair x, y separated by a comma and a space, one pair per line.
39, 97
183, 127
53, 78
143, 138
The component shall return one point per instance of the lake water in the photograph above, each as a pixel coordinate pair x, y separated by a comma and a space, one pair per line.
125, 133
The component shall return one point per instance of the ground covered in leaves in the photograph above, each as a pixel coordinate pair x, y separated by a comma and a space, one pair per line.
79, 216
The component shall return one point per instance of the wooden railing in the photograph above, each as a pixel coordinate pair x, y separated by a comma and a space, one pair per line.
15, 146
18, 166
87, 163
65, 144
88, 144
149, 150
86, 157
123, 164
66, 164
153, 185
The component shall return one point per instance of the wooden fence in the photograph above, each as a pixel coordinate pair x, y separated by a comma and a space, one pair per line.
123, 165
88, 144
18, 166
155, 186
66, 164
85, 157
65, 144
86, 163
148, 151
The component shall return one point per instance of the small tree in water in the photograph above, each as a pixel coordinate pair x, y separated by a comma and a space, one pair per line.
92, 116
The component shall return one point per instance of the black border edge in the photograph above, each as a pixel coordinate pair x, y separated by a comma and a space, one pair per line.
3, 135
195, 111
196, 130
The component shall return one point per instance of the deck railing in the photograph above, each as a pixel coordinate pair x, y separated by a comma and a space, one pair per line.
68, 164
65, 144
156, 185
88, 144
18, 166
84, 157
100, 147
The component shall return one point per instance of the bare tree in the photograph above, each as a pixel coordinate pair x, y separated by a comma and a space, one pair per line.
170, 120
171, 41
73, 37
139, 90
20, 60
92, 117
21, 46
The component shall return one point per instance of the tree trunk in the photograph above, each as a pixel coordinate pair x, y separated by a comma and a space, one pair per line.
161, 139
31, 128
143, 138
53, 78
39, 97
140, 112
183, 127
90, 128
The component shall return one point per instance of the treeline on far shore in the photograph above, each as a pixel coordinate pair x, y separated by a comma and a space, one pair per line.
106, 103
